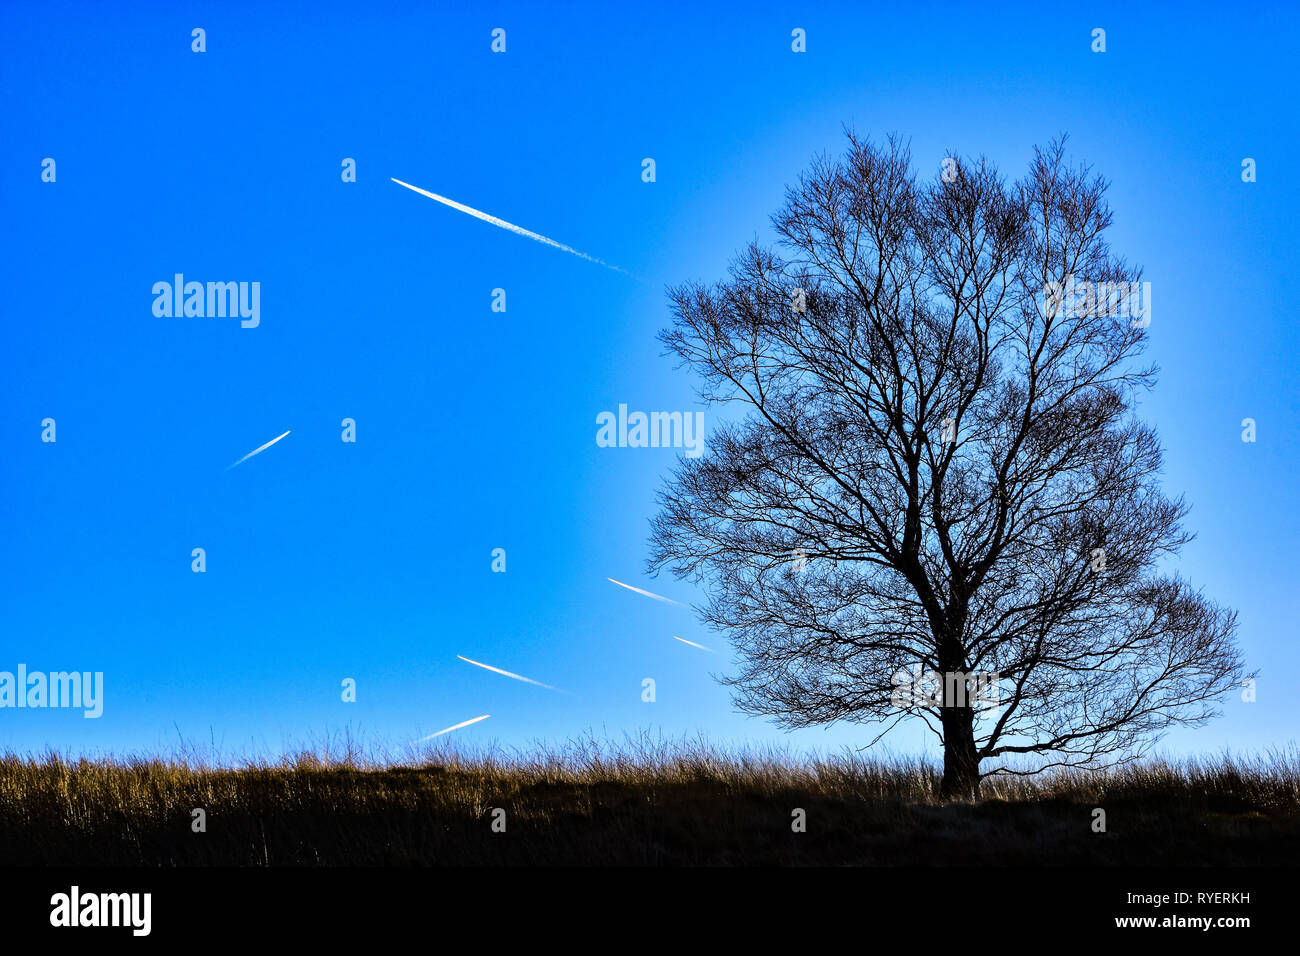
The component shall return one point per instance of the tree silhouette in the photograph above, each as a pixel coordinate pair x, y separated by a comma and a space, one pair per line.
938, 471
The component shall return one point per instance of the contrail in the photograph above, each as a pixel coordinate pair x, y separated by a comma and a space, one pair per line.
657, 597
255, 451
692, 643
527, 680
450, 729
509, 225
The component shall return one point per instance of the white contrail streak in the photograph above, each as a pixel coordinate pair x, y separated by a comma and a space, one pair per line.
497, 670
657, 597
255, 451
692, 643
465, 723
518, 230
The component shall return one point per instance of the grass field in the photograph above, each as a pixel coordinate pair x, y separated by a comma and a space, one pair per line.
635, 803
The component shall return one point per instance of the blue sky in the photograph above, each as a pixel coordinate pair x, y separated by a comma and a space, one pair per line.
476, 429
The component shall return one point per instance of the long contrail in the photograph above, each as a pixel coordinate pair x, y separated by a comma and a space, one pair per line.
657, 597
448, 730
255, 451
518, 230
692, 643
526, 680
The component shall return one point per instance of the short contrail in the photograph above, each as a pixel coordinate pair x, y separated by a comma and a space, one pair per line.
508, 225
497, 670
255, 451
692, 643
450, 729
657, 597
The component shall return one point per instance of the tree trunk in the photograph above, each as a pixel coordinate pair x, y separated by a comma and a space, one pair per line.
961, 765
961, 762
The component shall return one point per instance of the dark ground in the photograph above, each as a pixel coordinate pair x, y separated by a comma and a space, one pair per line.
700, 810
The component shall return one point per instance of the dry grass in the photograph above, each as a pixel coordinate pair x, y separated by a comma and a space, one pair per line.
638, 802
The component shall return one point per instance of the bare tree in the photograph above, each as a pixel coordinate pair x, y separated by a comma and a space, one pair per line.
938, 470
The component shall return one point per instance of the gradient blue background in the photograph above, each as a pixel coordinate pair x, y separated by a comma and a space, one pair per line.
476, 430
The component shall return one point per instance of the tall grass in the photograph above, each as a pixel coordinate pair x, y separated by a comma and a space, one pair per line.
639, 800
